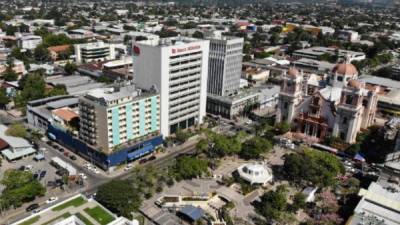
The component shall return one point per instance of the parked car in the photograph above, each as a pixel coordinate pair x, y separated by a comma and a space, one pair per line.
153, 157
36, 211
83, 176
43, 173
66, 153
128, 167
51, 200
28, 168
35, 176
142, 161
32, 207
72, 157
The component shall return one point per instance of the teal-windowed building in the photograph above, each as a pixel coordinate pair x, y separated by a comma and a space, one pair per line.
113, 119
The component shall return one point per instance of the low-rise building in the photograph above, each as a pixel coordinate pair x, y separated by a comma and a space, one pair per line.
380, 204
396, 72
95, 51
17, 147
348, 35
246, 100
29, 42
317, 52
18, 67
39, 113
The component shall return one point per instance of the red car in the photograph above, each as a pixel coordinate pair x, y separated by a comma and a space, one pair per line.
66, 153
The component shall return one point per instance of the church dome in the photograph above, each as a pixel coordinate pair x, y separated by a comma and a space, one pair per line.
346, 69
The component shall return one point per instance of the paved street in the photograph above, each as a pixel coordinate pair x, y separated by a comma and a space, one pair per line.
94, 180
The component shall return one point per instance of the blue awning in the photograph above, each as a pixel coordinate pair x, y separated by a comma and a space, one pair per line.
138, 153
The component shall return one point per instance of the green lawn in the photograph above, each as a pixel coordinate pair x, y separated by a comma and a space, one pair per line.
100, 215
65, 215
31, 221
84, 219
74, 202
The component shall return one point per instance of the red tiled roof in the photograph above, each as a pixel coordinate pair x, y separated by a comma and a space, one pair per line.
3, 144
65, 114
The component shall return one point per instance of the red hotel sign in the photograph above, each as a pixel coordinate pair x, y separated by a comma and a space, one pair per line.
180, 50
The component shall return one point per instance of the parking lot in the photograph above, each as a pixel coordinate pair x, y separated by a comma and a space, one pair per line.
36, 167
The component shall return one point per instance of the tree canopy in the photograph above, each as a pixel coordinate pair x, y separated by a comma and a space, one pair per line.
253, 148
319, 168
120, 197
273, 205
32, 87
187, 167
20, 187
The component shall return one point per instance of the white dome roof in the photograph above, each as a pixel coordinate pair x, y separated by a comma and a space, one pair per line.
255, 173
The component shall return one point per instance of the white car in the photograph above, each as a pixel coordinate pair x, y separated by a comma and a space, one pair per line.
51, 200
28, 168
95, 170
128, 167
83, 176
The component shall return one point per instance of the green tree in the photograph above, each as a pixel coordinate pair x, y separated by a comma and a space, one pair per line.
70, 68
120, 197
182, 135
59, 89
282, 128
253, 148
4, 99
189, 167
17, 130
33, 87
202, 145
20, 187
10, 74
225, 145
41, 53
56, 39
319, 168
299, 201
198, 34
273, 204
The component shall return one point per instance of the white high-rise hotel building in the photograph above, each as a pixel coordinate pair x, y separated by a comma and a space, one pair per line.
178, 68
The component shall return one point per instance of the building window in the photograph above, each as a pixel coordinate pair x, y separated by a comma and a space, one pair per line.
340, 78
285, 105
349, 99
344, 121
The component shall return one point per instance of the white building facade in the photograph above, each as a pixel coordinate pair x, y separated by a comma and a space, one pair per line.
96, 51
225, 65
178, 68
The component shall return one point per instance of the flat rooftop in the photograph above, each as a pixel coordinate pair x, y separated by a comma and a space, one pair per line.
381, 81
75, 84
318, 51
173, 41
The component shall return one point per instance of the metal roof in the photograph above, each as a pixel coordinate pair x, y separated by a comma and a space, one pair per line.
194, 213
